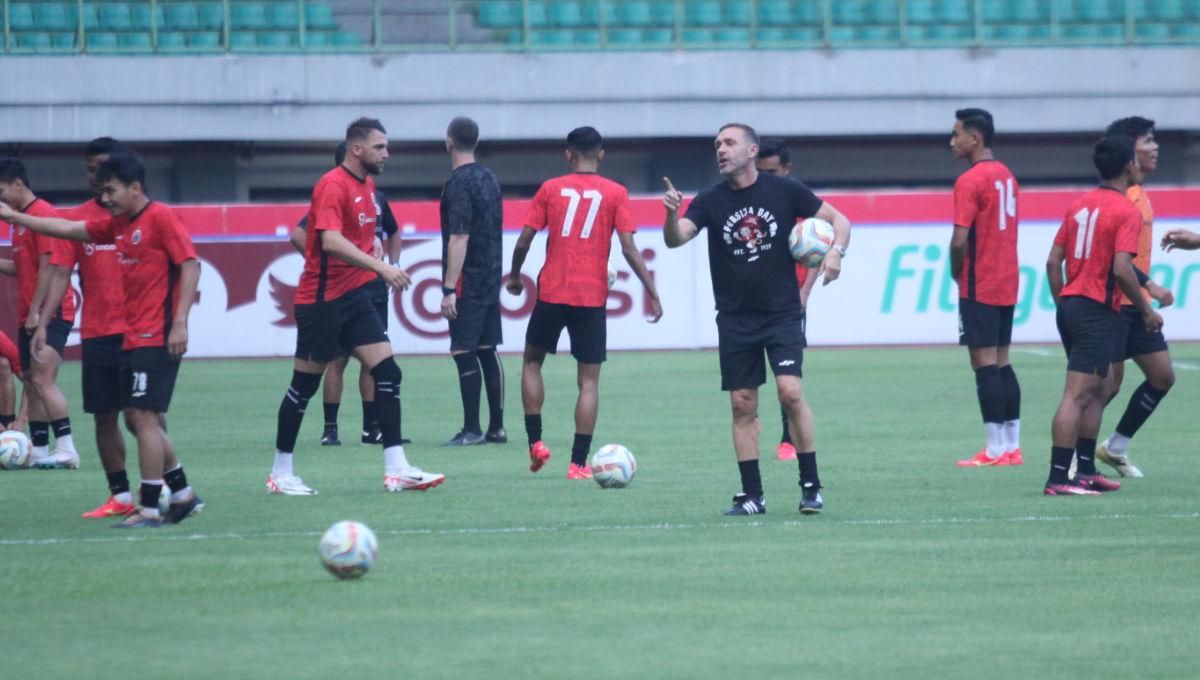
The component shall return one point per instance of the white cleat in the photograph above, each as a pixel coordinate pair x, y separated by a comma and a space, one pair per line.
289, 485
413, 479
59, 460
1120, 463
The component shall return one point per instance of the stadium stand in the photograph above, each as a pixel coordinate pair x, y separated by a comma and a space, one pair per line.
354, 25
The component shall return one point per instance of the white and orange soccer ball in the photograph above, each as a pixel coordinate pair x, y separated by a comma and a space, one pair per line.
14, 450
613, 466
810, 240
348, 549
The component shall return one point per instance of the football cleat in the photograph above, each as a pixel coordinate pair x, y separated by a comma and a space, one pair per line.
1097, 482
413, 479
1118, 462
330, 437
579, 471
181, 510
464, 438
373, 437
811, 501
1068, 489
982, 459
288, 485
111, 508
59, 460
785, 451
1013, 457
747, 505
139, 521
496, 437
539, 455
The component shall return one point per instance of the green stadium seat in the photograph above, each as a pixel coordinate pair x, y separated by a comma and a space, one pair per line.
348, 39
996, 11
493, 14
809, 12
535, 14
317, 39
1081, 31
243, 40
212, 16
1186, 32
662, 12
91, 17
63, 40
171, 41
943, 33
552, 38
658, 36
771, 35
775, 13
1152, 33
20, 17
283, 16
1030, 11
320, 16
34, 41
591, 13
277, 40
698, 36
882, 12
102, 41
842, 35
1100, 10
625, 36
920, 12
204, 40
54, 16
877, 34
135, 42
1112, 31
804, 34
588, 37
250, 16
140, 14
849, 12
115, 17
954, 11
634, 13
702, 13
181, 17
1167, 10
1006, 32
733, 36
565, 14
736, 12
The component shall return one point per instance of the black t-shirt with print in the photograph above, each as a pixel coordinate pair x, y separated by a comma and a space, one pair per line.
471, 205
748, 230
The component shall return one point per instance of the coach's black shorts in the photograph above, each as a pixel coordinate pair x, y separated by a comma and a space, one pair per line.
102, 385
148, 376
327, 330
1133, 339
1089, 330
57, 332
477, 325
744, 336
587, 327
984, 325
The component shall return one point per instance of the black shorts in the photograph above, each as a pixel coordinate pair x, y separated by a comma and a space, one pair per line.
327, 330
1133, 340
103, 388
587, 327
984, 325
148, 376
477, 325
379, 298
57, 332
744, 336
1089, 330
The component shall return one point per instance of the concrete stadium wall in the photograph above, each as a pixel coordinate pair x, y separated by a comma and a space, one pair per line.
631, 94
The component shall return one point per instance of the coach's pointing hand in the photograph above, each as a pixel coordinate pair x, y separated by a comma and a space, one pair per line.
672, 199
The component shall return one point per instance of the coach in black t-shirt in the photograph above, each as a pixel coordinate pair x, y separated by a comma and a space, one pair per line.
748, 217
472, 227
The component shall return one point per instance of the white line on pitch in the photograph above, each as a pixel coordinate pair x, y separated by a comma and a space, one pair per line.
1186, 365
666, 526
1039, 352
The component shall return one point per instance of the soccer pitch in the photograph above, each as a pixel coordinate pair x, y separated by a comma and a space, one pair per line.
916, 569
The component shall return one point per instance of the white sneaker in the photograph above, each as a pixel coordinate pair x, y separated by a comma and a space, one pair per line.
413, 479
59, 460
289, 485
1118, 462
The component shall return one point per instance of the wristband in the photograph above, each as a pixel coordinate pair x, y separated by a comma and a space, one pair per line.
841, 250
1141, 277
448, 291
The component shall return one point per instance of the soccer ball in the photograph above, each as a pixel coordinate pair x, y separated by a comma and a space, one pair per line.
613, 466
14, 450
348, 549
612, 276
810, 240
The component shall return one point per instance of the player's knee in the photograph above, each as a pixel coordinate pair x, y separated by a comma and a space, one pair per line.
387, 372
744, 404
304, 385
791, 397
1164, 380
467, 363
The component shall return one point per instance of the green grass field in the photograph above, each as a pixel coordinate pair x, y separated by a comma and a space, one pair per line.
916, 569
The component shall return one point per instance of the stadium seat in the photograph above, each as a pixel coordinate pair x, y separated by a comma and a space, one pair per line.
347, 39
283, 16
882, 12
849, 12
212, 16
662, 13
204, 40
775, 13
1006, 32
115, 17
535, 14
250, 16
181, 17
1167, 10
660, 37
1029, 11
698, 36
809, 12
140, 15
20, 17
702, 13
565, 14
242, 40
54, 16
495, 14
733, 37
102, 41
320, 16
920, 11
736, 12
34, 41
277, 40
625, 37
1081, 32
588, 37
1153, 33
171, 41
804, 34
135, 42
771, 35
63, 40
877, 35
954, 11
1186, 32
1100, 10
591, 13
943, 33
552, 38
841, 35
316, 39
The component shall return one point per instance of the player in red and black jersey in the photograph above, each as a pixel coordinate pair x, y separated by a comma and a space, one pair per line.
32, 255
1097, 241
102, 332
335, 313
10, 367
159, 276
983, 260
580, 212
774, 158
